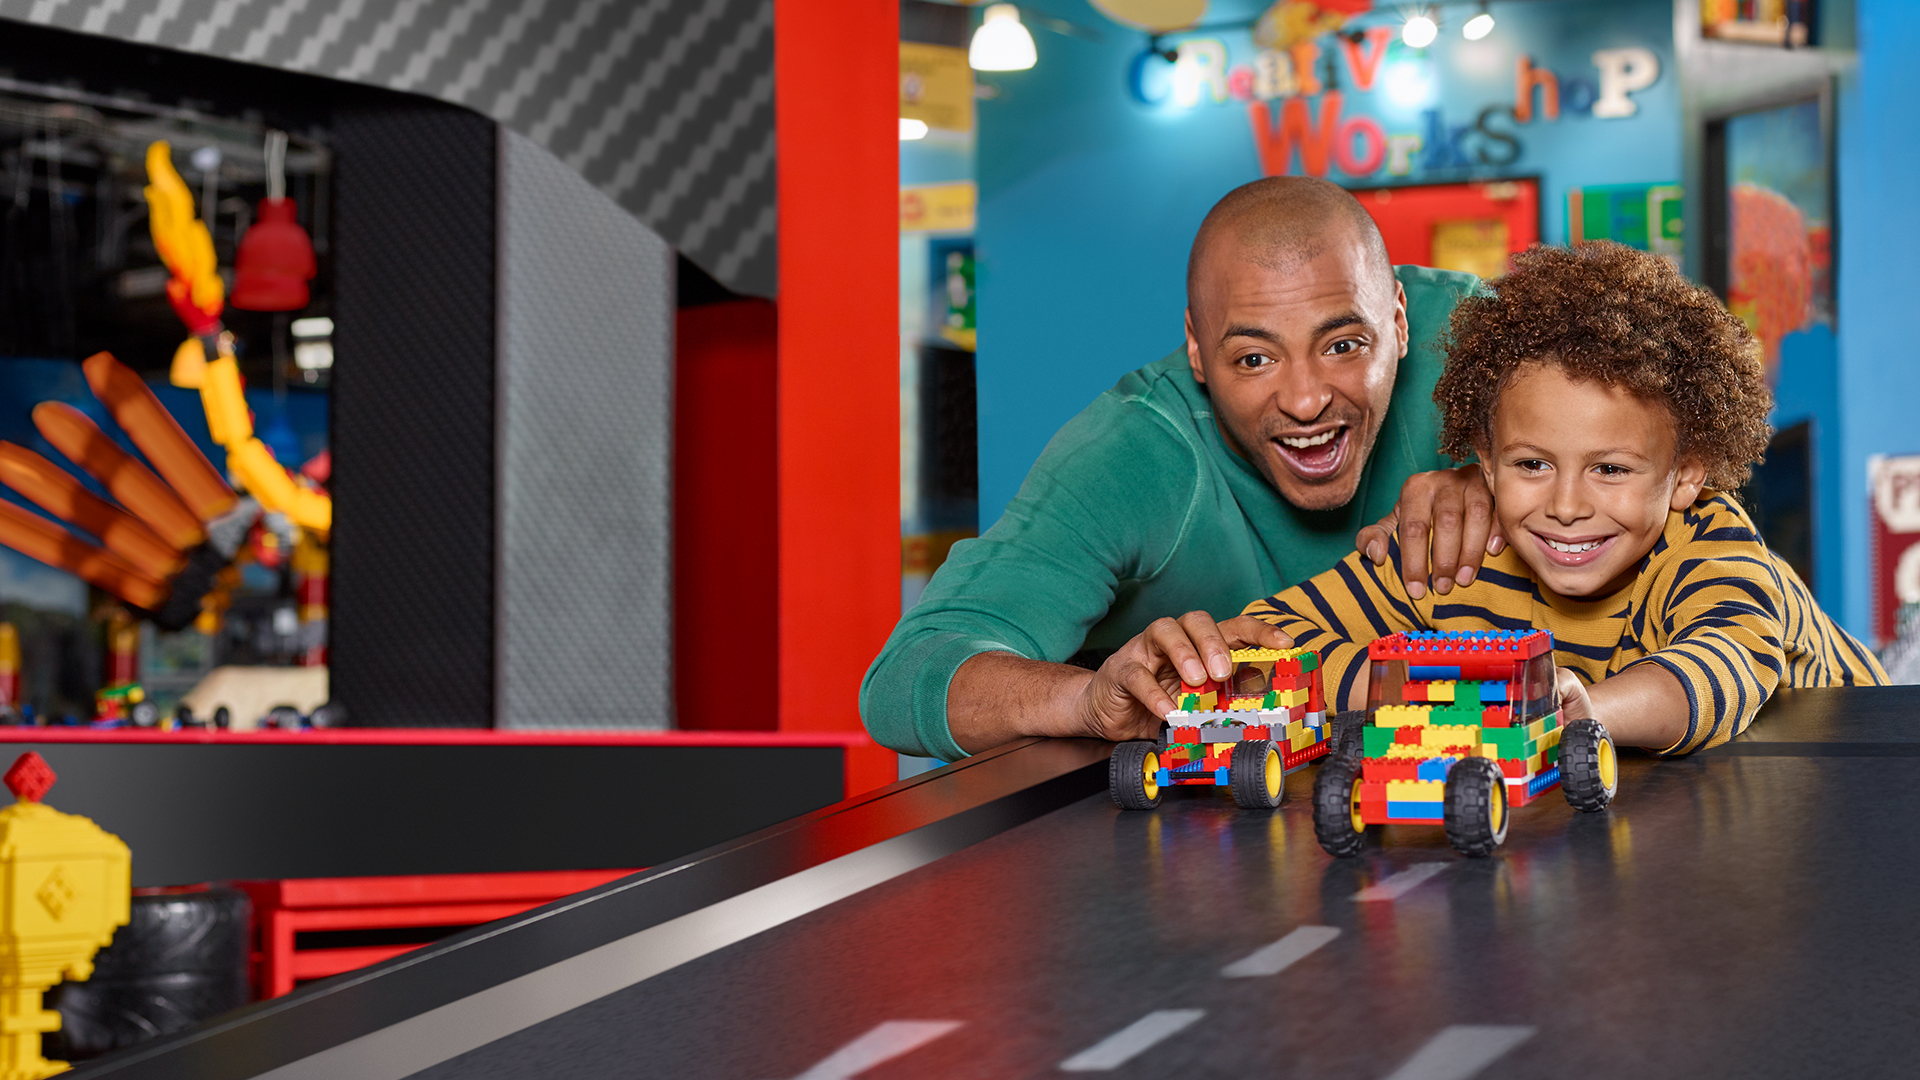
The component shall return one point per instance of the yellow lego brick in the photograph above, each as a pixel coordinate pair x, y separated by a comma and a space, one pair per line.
1247, 704
1240, 655
1408, 750
1289, 698
1551, 738
1440, 691
1400, 716
1450, 735
1293, 727
1416, 790
1300, 740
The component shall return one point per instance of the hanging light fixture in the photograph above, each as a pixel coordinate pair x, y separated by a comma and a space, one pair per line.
1002, 43
1419, 31
275, 260
912, 129
1479, 26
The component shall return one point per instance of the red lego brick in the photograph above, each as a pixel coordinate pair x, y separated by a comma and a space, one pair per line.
1260, 731
1409, 734
1184, 735
30, 778
1384, 769
1414, 693
1293, 760
1373, 811
1497, 716
1316, 698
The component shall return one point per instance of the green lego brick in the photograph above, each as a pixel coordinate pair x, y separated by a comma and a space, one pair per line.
1310, 662
1553, 754
1271, 700
1377, 739
1512, 743
1190, 703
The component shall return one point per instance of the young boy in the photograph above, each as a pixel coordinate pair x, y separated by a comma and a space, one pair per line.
1612, 405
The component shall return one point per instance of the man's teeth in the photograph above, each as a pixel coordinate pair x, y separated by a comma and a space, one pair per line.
1573, 549
1321, 439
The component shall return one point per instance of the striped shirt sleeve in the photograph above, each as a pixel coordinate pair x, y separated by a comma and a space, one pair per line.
1340, 612
1722, 619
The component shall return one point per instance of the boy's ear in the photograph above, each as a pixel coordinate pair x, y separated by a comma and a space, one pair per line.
1480, 457
1688, 480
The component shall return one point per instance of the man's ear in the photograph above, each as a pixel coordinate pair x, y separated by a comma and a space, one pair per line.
1193, 352
1400, 317
1688, 480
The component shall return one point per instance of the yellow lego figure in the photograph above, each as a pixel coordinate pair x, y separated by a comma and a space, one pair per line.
67, 885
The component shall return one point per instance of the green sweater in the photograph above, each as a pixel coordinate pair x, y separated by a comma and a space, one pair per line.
1138, 509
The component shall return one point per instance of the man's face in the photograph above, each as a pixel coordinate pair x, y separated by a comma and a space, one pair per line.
1583, 475
1299, 361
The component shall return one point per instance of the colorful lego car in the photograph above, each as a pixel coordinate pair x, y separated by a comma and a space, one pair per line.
124, 704
1244, 733
1461, 727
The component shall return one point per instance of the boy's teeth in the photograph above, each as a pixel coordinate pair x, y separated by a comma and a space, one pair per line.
1317, 440
1572, 549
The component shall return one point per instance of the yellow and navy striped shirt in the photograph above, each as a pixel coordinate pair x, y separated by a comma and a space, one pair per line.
1710, 604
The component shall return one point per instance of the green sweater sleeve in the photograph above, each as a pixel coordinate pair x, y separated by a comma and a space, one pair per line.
1104, 507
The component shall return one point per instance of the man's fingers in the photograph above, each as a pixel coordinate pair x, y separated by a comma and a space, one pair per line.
1474, 533
1244, 630
1200, 628
1449, 519
1140, 682
1372, 540
1413, 555
1169, 639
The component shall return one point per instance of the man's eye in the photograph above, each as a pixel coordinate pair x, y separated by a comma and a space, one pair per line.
1253, 360
1343, 347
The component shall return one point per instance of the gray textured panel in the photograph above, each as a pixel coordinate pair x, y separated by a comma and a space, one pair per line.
666, 105
586, 410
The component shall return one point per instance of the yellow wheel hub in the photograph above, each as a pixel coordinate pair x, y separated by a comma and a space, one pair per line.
1353, 808
1609, 765
1150, 774
1499, 807
1275, 773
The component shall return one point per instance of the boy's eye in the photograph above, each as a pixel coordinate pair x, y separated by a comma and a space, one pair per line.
1612, 470
1531, 465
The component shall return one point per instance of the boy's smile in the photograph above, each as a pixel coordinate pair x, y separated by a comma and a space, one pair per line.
1583, 476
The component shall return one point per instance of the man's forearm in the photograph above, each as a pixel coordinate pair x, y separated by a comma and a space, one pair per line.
1642, 706
997, 697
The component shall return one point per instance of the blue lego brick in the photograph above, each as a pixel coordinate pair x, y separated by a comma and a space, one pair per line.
1431, 672
1437, 768
1491, 692
1164, 778
1543, 781
1220, 776
1416, 811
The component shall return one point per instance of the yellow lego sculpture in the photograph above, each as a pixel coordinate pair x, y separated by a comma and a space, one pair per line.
67, 888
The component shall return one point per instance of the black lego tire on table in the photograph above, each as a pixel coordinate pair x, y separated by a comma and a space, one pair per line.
1589, 767
1333, 795
1348, 742
1476, 807
181, 959
1247, 773
1127, 779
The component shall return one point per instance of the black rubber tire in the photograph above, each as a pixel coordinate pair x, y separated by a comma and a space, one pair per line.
1333, 807
1348, 742
181, 959
1247, 775
328, 715
144, 714
1476, 807
283, 717
1584, 747
1126, 776
222, 717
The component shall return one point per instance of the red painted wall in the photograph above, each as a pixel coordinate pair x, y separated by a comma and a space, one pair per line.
725, 512
837, 73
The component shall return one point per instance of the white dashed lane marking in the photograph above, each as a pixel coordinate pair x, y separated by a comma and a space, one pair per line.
1277, 957
1461, 1051
883, 1043
1402, 883
1124, 1045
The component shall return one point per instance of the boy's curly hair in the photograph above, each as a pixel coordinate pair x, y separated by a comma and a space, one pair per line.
1608, 313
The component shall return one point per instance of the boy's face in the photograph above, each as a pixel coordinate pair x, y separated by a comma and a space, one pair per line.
1583, 475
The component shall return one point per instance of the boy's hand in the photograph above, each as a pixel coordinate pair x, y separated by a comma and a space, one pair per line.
1575, 704
1133, 691
1455, 505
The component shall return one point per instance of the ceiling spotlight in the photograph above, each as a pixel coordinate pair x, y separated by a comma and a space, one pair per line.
1419, 32
912, 129
1479, 26
1001, 43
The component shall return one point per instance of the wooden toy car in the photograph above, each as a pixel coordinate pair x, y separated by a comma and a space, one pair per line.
1244, 733
1461, 727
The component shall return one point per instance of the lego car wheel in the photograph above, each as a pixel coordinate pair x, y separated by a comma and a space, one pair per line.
1133, 775
1349, 740
1476, 807
1589, 766
1337, 822
144, 714
1256, 776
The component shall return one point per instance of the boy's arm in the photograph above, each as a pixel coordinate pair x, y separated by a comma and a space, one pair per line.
1723, 656
1641, 706
1339, 613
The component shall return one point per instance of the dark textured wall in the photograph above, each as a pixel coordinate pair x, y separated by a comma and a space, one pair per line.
414, 415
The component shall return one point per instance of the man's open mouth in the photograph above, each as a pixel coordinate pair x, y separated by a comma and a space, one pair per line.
1314, 456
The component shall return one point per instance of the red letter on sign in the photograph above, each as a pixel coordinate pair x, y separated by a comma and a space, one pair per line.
1363, 66
1525, 78
1367, 161
1276, 147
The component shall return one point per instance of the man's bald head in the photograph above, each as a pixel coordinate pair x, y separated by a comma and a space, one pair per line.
1282, 221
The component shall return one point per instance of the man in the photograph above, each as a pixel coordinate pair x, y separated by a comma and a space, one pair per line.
1237, 466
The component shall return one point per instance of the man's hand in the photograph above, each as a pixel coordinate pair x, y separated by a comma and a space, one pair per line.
1456, 507
1133, 691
